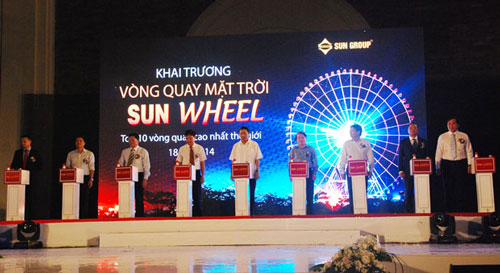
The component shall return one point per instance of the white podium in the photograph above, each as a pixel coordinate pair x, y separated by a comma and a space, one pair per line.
483, 168
184, 175
71, 180
357, 171
16, 181
242, 173
299, 172
421, 169
126, 177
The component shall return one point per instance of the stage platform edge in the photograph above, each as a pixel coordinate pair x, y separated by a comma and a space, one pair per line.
218, 238
240, 230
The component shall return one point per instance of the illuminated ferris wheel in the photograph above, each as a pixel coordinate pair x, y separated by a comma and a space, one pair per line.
326, 109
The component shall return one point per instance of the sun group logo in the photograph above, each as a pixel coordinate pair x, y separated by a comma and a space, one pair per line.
325, 46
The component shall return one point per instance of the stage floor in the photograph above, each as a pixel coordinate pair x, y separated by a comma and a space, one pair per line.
418, 257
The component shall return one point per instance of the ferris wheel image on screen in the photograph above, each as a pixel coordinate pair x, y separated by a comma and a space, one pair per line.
326, 109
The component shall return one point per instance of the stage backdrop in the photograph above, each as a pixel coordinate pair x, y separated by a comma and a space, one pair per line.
276, 85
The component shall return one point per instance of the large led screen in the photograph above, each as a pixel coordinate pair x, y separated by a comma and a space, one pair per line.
274, 84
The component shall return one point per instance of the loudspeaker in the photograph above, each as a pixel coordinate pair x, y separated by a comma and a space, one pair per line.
474, 268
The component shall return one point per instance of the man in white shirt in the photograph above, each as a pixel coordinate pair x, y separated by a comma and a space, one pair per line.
83, 159
453, 162
194, 154
247, 151
355, 149
138, 157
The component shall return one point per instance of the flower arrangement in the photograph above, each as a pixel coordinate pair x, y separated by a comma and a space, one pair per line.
365, 256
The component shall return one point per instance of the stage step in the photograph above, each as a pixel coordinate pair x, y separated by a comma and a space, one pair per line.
316, 230
261, 237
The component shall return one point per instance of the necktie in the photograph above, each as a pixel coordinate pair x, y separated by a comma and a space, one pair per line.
453, 147
25, 158
191, 155
131, 158
414, 143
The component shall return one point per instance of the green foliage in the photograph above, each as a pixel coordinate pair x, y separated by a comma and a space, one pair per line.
163, 203
217, 203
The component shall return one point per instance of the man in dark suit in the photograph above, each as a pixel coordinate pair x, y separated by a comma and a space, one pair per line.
28, 159
413, 145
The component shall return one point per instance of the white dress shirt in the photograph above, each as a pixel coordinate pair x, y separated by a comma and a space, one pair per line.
356, 150
463, 148
141, 160
199, 155
84, 160
245, 153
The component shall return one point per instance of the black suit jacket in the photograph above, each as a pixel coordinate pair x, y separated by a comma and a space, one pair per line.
406, 152
34, 162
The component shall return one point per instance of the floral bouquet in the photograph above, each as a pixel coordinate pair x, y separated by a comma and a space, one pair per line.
364, 256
